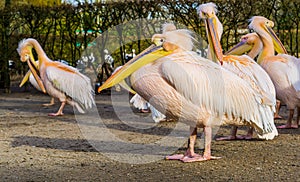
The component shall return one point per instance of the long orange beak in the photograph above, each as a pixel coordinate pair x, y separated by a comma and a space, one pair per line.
25, 78
34, 71
278, 46
214, 40
147, 56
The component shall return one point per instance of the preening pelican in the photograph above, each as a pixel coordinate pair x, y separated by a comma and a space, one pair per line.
283, 69
57, 79
243, 66
30, 77
252, 44
195, 90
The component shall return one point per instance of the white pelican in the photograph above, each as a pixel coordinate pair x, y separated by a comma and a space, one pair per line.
57, 79
193, 89
243, 66
283, 69
252, 44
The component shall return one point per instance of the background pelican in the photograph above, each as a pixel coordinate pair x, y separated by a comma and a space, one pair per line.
57, 79
283, 69
243, 66
252, 44
203, 95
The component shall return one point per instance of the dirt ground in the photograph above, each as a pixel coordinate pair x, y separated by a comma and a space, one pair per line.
36, 147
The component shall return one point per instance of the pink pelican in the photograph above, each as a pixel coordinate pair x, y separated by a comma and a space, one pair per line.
57, 79
192, 89
252, 44
283, 69
243, 66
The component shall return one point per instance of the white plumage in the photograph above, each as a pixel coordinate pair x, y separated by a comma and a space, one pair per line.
195, 91
60, 81
243, 66
283, 69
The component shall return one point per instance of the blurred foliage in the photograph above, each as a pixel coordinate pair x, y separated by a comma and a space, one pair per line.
68, 32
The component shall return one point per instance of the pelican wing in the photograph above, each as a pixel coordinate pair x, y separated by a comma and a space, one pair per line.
210, 86
205, 83
254, 74
74, 84
292, 70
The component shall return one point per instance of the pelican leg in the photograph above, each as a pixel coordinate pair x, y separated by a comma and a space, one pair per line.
51, 103
190, 156
207, 150
190, 151
289, 124
249, 134
59, 112
276, 115
232, 135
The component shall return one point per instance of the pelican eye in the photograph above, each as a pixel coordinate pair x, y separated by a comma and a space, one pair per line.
245, 38
158, 41
26, 56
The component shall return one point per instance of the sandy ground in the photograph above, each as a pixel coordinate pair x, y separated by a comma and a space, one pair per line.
36, 147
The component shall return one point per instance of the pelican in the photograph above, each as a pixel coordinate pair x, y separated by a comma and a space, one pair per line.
252, 44
283, 69
195, 90
243, 66
57, 79
30, 77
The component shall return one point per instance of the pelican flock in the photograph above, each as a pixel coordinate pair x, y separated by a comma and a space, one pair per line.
283, 69
57, 79
243, 66
204, 95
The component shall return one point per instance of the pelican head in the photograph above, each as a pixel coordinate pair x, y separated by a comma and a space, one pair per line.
170, 41
247, 42
264, 26
207, 10
214, 29
25, 51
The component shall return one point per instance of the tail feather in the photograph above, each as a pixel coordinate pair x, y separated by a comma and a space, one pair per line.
269, 130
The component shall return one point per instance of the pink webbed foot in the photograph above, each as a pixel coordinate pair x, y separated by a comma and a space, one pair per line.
287, 126
245, 137
175, 157
55, 114
47, 105
198, 158
226, 138
194, 158
277, 117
